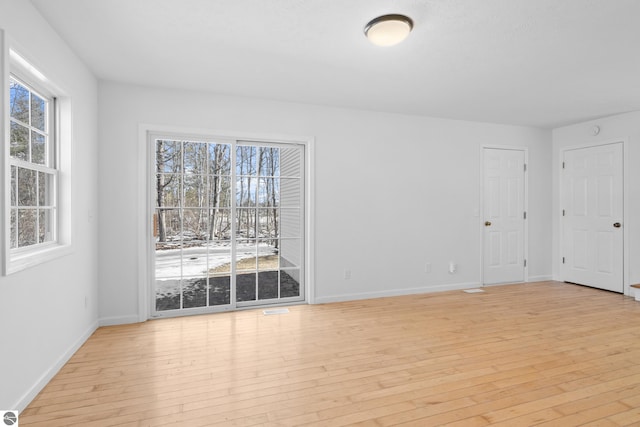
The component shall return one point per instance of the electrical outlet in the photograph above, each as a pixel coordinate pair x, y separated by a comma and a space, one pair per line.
347, 274
453, 267
427, 267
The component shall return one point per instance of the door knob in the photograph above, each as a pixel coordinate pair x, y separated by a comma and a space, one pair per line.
617, 224
487, 223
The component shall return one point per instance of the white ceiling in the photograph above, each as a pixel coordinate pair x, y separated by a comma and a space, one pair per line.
528, 62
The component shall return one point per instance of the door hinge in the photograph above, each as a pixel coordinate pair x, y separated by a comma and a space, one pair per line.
562, 165
525, 167
525, 214
563, 260
525, 262
562, 212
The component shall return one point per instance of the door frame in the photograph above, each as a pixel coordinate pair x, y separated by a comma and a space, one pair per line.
625, 205
480, 215
145, 203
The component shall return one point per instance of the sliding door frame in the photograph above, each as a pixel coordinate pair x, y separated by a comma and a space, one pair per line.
146, 203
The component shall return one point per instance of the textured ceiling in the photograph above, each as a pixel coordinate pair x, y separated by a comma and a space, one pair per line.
528, 62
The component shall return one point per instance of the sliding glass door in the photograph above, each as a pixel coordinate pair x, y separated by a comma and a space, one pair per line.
227, 225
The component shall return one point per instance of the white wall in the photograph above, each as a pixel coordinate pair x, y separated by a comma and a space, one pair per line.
615, 128
393, 192
43, 318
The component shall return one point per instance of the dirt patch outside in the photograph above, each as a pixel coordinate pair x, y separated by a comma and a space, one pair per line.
268, 262
194, 292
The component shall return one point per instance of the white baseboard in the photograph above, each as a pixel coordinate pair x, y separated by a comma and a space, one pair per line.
44, 379
119, 320
395, 292
539, 278
24, 401
410, 291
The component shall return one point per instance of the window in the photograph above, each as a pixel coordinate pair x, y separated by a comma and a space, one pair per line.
33, 168
37, 189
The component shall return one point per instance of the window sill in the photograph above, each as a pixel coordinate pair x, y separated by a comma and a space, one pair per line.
16, 262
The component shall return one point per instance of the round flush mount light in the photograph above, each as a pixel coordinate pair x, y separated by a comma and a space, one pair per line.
388, 30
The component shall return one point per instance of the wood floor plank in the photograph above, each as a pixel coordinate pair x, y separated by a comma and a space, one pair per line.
591, 414
542, 353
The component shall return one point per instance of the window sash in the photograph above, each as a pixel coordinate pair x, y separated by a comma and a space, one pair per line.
49, 120
39, 213
33, 166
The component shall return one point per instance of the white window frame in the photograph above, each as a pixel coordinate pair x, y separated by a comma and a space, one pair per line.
17, 259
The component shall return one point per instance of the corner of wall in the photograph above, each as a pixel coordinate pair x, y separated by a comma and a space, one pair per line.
44, 379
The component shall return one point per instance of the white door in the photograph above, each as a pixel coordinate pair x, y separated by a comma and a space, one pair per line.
504, 216
592, 203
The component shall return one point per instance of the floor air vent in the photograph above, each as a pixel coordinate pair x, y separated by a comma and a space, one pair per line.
273, 311
473, 291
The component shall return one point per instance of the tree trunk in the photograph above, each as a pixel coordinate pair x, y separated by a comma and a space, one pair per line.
162, 234
275, 211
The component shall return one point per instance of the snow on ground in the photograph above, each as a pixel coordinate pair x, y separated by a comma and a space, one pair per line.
171, 264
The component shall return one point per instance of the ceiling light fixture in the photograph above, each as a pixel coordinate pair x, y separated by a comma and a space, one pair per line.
388, 30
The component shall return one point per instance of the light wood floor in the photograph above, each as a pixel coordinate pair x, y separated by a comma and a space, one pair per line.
548, 354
